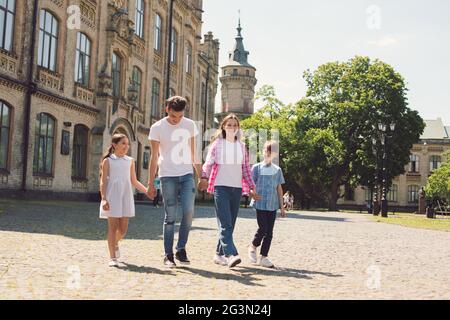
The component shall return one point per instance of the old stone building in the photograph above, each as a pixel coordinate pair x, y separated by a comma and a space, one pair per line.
74, 72
238, 81
426, 155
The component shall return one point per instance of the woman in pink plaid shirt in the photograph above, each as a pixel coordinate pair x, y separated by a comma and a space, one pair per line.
227, 168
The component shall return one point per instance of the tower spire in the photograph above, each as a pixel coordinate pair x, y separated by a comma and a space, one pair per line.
239, 29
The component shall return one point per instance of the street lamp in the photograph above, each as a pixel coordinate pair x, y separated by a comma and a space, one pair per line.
375, 204
384, 136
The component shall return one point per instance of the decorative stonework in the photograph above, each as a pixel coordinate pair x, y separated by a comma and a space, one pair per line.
189, 82
173, 73
59, 3
49, 79
88, 14
8, 63
42, 182
84, 94
139, 48
157, 62
79, 185
118, 4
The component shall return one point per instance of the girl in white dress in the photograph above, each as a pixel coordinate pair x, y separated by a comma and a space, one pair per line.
117, 178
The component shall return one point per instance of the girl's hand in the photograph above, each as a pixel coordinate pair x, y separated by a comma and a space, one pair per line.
203, 185
105, 205
254, 195
283, 213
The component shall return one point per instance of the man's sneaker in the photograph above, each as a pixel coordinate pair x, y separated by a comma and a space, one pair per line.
220, 260
234, 261
182, 257
252, 254
265, 262
169, 262
113, 263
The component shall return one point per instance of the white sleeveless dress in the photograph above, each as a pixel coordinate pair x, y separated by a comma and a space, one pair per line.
119, 191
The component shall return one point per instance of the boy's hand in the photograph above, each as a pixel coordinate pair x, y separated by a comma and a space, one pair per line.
203, 185
254, 195
151, 192
283, 213
105, 205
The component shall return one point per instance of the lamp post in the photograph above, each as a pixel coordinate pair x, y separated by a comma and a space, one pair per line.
169, 49
384, 136
375, 203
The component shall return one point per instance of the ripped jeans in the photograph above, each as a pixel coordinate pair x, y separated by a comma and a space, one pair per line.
172, 188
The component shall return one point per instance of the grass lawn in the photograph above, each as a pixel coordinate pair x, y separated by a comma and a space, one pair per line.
416, 221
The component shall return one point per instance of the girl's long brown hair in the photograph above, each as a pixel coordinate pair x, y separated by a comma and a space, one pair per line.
221, 131
114, 140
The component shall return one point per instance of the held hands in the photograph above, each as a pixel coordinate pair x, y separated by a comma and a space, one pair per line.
203, 185
151, 192
254, 195
105, 205
283, 212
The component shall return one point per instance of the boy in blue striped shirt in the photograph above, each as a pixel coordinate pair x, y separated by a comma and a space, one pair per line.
268, 178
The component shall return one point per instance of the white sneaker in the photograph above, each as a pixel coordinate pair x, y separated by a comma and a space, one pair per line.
265, 262
234, 261
113, 263
252, 254
220, 260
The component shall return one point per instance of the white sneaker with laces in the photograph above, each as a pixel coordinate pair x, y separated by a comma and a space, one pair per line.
252, 254
220, 260
113, 263
234, 261
265, 262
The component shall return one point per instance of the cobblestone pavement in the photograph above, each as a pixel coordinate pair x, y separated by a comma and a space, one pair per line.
57, 250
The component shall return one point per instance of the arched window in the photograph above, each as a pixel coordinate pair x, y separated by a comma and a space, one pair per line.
137, 83
156, 88
116, 75
413, 194
7, 15
189, 58
158, 33
174, 47
80, 150
413, 163
435, 162
5, 127
393, 193
82, 59
44, 144
139, 18
48, 40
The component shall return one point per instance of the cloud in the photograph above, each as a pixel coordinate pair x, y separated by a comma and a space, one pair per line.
385, 41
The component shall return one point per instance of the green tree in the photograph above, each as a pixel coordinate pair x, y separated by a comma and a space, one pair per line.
438, 185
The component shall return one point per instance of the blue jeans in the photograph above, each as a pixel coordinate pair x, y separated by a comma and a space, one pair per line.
227, 201
171, 189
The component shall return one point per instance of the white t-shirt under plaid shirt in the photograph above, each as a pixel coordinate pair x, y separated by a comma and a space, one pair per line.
267, 177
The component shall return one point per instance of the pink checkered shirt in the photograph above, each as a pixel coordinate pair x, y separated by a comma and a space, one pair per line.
211, 167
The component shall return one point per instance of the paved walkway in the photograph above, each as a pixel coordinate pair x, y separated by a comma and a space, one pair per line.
54, 250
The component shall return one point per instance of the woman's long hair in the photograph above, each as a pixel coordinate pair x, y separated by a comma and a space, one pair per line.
221, 131
114, 140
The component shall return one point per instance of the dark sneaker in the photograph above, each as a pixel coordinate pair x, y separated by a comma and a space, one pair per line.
182, 257
169, 262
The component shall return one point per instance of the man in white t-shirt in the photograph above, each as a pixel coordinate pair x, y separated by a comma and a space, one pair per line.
173, 146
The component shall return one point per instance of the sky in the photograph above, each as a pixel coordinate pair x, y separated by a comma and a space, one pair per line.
287, 37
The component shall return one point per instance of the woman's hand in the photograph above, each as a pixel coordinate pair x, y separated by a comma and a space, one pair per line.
254, 195
105, 205
203, 185
283, 213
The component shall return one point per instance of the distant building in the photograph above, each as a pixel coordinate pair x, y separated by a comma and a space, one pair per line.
426, 156
238, 82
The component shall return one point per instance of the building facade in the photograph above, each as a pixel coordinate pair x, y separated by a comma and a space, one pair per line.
238, 81
75, 72
426, 156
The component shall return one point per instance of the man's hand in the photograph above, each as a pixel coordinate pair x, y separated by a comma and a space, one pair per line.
151, 192
203, 185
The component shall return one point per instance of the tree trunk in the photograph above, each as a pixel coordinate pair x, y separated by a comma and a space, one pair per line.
333, 198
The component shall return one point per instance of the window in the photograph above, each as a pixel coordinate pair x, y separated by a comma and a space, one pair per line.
174, 47
7, 14
413, 194
5, 125
139, 18
43, 144
235, 72
158, 33
137, 81
48, 40
224, 72
413, 163
116, 75
80, 147
247, 73
203, 98
435, 162
155, 98
82, 59
189, 58
393, 193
